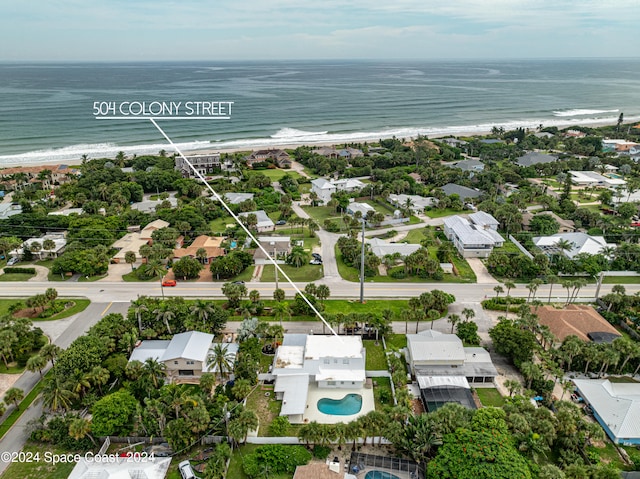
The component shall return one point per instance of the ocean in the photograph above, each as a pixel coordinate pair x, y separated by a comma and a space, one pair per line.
46, 110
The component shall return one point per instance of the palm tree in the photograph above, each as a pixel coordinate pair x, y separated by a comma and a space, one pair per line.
281, 310
468, 313
453, 320
80, 428
220, 359
138, 309
509, 285
36, 363
130, 258
628, 350
513, 386
563, 245
323, 292
498, 289
99, 376
533, 287
245, 422
57, 395
154, 370
163, 314
13, 395
551, 280
352, 432
50, 352
201, 310
156, 268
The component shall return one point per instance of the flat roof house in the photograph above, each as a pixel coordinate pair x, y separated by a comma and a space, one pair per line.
381, 248
470, 239
592, 178
59, 240
308, 368
363, 208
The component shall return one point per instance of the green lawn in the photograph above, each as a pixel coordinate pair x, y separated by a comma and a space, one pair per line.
321, 213
91, 279
382, 384
79, 306
131, 277
416, 236
16, 276
306, 273
397, 341
5, 304
372, 306
621, 280
276, 174
375, 360
346, 272
22, 407
40, 469
490, 397
436, 213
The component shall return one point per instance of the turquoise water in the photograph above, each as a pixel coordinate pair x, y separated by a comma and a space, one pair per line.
615, 176
380, 475
348, 405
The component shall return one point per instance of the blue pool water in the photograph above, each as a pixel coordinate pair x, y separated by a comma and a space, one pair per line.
380, 475
615, 176
348, 405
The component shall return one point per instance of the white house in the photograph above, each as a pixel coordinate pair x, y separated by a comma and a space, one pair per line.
324, 188
418, 203
59, 240
432, 353
309, 368
592, 178
121, 468
381, 248
580, 243
355, 207
264, 223
473, 239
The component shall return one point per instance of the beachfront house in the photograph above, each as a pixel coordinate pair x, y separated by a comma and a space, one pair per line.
474, 237
308, 368
206, 165
279, 157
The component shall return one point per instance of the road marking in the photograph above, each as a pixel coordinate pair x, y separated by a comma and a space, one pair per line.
106, 309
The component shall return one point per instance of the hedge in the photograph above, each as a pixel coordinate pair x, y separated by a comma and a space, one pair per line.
500, 304
19, 270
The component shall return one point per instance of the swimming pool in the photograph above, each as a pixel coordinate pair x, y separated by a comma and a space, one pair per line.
348, 405
380, 475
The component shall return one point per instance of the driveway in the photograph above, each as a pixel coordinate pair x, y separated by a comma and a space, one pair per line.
42, 273
482, 274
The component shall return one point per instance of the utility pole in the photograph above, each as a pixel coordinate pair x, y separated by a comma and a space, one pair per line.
362, 266
599, 283
275, 257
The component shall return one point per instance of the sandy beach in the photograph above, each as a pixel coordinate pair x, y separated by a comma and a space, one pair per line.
257, 146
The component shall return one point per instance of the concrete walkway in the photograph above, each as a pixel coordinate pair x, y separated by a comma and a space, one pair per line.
482, 274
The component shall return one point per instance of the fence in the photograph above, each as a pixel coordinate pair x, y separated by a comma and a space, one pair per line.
520, 247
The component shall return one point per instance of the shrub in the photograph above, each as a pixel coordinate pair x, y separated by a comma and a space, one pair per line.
279, 426
321, 452
500, 304
280, 459
10, 270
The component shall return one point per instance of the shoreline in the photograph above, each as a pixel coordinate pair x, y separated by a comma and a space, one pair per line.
208, 149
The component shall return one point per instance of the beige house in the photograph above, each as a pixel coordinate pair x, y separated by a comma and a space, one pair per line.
133, 241
185, 356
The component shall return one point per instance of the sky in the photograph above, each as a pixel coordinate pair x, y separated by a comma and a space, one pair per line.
166, 30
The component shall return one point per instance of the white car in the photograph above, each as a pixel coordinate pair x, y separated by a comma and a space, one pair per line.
13, 260
185, 470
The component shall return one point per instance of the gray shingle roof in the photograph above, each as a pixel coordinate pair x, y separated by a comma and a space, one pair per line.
462, 191
535, 158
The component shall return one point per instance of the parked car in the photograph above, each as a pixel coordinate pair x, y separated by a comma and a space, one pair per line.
315, 261
281, 222
186, 471
238, 282
317, 256
13, 260
169, 282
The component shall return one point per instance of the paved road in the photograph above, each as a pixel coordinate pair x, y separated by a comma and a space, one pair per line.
16, 437
118, 292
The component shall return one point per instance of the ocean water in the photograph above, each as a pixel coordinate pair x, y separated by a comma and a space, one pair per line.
46, 110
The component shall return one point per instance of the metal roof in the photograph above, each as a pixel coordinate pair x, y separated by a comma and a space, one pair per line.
319, 346
192, 345
445, 347
381, 247
150, 468
152, 349
616, 406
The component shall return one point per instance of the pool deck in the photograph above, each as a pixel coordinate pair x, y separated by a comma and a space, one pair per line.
315, 394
